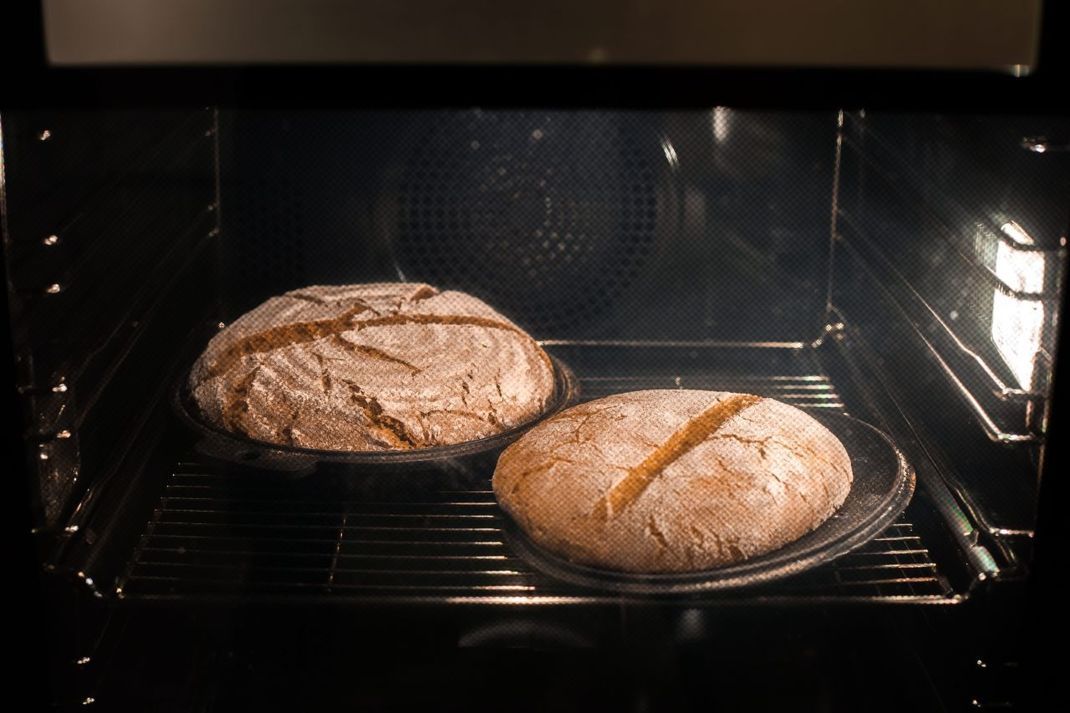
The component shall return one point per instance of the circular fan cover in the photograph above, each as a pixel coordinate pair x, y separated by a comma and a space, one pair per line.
549, 216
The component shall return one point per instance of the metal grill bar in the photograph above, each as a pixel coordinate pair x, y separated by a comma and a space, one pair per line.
217, 535
230, 547
804, 391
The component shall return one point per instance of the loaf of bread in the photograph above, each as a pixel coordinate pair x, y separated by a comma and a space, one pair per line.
371, 367
672, 481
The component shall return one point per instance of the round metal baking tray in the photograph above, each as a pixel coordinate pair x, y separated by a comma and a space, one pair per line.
218, 443
882, 488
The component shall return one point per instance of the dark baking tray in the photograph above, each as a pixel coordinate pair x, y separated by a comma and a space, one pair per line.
261, 456
882, 488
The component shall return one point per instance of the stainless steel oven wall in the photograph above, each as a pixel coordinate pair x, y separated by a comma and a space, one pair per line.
711, 227
950, 257
651, 226
109, 222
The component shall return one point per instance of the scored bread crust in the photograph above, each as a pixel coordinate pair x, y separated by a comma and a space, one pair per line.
672, 480
384, 366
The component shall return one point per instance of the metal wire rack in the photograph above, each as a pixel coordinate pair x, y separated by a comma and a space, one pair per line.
213, 535
446, 548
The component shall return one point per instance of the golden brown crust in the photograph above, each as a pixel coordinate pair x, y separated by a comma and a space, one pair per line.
672, 481
694, 432
389, 366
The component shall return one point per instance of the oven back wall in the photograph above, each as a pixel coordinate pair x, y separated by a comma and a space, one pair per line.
703, 225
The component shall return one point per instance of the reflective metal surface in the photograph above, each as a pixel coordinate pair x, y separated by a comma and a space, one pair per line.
1000, 34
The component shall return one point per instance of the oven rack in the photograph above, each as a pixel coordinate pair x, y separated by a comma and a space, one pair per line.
445, 548
419, 539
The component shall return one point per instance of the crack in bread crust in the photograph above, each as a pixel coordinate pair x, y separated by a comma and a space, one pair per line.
238, 402
425, 292
372, 352
627, 490
304, 332
658, 536
307, 298
462, 320
323, 302
392, 431
325, 376
287, 431
281, 337
455, 412
543, 467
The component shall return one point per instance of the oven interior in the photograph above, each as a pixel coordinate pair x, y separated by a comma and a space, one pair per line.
903, 268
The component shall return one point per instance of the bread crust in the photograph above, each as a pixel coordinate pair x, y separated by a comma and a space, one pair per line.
672, 480
382, 366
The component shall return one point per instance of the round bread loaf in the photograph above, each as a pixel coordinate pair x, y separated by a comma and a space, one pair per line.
371, 367
672, 481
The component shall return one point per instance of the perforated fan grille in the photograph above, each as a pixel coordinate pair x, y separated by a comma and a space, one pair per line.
548, 215
583, 225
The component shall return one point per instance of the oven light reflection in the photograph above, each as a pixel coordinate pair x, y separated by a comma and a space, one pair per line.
1018, 325
720, 119
670, 153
